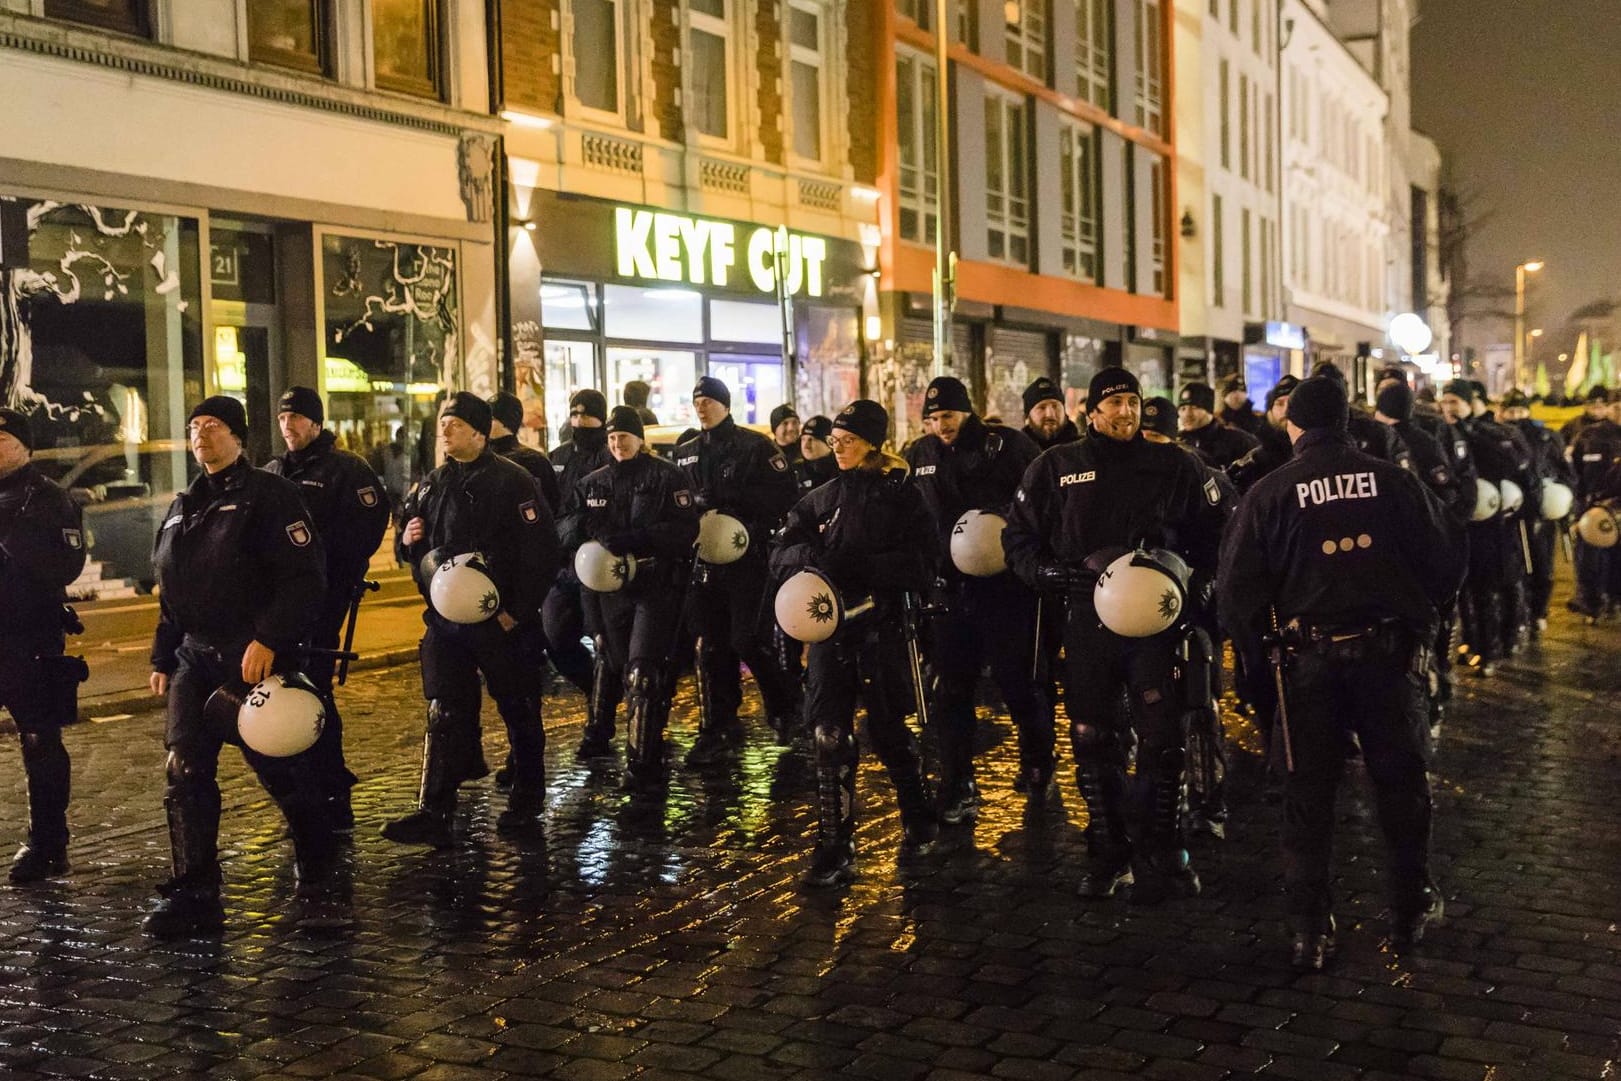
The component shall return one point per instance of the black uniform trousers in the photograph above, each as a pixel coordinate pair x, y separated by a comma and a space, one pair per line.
1593, 575
638, 628
988, 620
1377, 696
1543, 537
563, 616
453, 657
40, 708
729, 611
1484, 604
323, 766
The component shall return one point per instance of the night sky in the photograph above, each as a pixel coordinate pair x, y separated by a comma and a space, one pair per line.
1525, 97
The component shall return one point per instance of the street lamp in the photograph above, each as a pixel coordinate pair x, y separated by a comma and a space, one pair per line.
1521, 375
1530, 347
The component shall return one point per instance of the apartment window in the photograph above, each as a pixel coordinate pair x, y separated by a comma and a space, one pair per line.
805, 81
916, 10
1255, 26
710, 42
598, 62
126, 17
405, 45
1150, 65
289, 34
1159, 231
919, 165
1027, 37
1270, 156
1245, 282
1093, 34
1244, 126
1078, 192
1215, 9
1218, 254
1232, 17
1225, 83
1266, 267
1007, 181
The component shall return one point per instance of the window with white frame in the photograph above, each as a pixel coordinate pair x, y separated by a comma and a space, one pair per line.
806, 86
1225, 97
1246, 278
1244, 126
919, 162
598, 60
1078, 200
1150, 26
1093, 53
1007, 181
1027, 36
1159, 233
1218, 255
710, 42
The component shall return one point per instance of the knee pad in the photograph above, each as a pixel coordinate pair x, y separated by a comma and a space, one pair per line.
444, 715
1171, 762
834, 741
40, 742
1094, 743
186, 766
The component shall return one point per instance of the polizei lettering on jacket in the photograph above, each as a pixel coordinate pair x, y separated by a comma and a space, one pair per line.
1339, 486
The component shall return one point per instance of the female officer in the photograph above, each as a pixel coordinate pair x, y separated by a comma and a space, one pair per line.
640, 506
862, 532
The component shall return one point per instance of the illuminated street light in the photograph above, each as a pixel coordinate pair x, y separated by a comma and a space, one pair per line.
1522, 375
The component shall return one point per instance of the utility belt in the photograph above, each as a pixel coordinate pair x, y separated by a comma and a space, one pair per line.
1350, 641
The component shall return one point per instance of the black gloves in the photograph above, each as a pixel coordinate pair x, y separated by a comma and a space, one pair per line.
625, 543
1061, 578
847, 569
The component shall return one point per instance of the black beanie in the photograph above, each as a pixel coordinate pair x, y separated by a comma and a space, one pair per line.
1281, 389
592, 401
304, 401
946, 392
1159, 415
1515, 398
468, 407
1199, 394
1042, 390
1597, 394
1232, 383
1319, 402
1459, 388
1396, 401
625, 418
1479, 390
1327, 369
866, 418
508, 409
782, 413
16, 425
1109, 382
710, 387
225, 409
818, 427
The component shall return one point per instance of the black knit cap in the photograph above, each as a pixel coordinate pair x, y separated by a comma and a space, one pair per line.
1396, 401
710, 387
304, 401
1327, 369
1159, 415
1479, 389
818, 427
1281, 389
1042, 390
1515, 398
1319, 402
1200, 394
226, 410
1109, 382
946, 392
782, 413
1598, 394
590, 400
1459, 388
625, 418
508, 409
469, 408
1232, 383
866, 418
16, 425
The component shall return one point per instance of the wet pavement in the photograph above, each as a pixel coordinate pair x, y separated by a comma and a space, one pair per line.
671, 940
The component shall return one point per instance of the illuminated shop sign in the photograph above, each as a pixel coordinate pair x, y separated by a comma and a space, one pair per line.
657, 245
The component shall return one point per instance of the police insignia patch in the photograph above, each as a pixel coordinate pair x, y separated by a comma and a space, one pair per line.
530, 512
779, 463
299, 534
1212, 491
73, 538
683, 499
368, 496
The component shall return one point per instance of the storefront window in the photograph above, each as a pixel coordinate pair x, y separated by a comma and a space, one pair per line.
670, 373
568, 305
658, 315
101, 345
392, 341
738, 321
569, 366
829, 360
756, 384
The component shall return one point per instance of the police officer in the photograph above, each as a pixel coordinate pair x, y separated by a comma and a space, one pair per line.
785, 432
1595, 455
1274, 447
971, 464
1351, 557
637, 505
860, 532
241, 581
41, 552
1045, 422
563, 612
1595, 408
1198, 428
1237, 411
477, 501
349, 510
506, 419
1089, 501
1370, 437
1549, 465
816, 465
741, 473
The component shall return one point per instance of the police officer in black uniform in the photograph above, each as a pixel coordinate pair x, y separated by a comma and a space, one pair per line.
741, 473
1370, 437
1088, 501
1045, 422
816, 465
785, 433
971, 464
350, 511
1274, 447
563, 613
860, 532
1237, 411
506, 418
241, 581
637, 505
1351, 558
41, 552
478, 502
1595, 455
1549, 465
1198, 428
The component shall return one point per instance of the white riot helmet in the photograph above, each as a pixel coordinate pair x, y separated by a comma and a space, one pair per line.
1142, 593
1557, 500
600, 571
1488, 500
1597, 526
279, 717
976, 544
809, 609
1513, 496
721, 538
462, 591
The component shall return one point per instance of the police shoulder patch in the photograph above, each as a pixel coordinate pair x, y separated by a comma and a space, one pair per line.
683, 499
73, 538
529, 511
1212, 491
299, 533
367, 496
779, 463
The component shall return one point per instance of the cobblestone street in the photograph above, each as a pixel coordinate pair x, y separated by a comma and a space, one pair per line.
673, 940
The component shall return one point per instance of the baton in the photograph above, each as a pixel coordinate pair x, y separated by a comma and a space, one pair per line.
910, 606
1567, 544
1525, 546
345, 656
1283, 701
1035, 658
